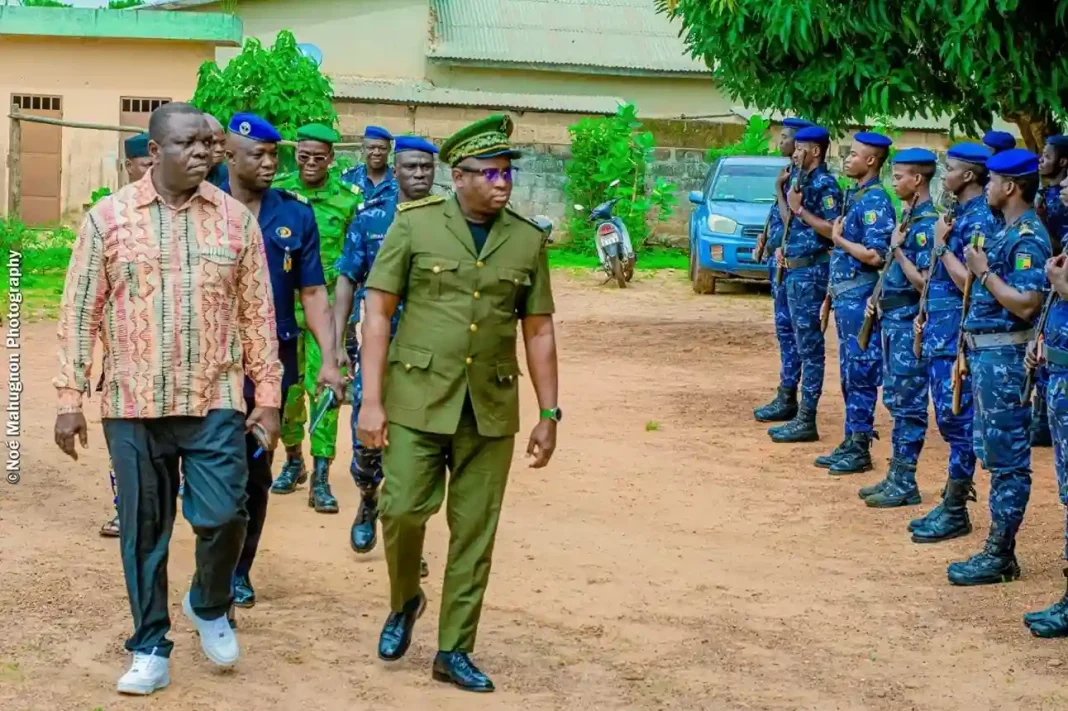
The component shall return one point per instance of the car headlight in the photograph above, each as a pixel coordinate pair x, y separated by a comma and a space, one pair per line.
721, 224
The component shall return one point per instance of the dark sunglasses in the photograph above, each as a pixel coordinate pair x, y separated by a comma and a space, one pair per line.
494, 174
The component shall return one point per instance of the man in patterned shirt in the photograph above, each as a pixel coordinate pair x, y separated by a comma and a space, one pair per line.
170, 272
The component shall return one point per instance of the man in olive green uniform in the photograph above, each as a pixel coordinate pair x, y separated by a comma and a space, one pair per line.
334, 202
468, 270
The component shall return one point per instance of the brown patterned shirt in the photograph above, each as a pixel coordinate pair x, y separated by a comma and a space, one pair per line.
181, 299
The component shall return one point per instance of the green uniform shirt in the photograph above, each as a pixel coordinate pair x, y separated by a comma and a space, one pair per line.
458, 330
335, 206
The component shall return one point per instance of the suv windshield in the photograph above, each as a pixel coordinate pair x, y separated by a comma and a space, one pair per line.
745, 183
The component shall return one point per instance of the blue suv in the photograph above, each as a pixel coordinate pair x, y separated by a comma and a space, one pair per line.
729, 215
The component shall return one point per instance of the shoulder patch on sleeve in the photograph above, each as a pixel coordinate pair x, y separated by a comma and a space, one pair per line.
1023, 261
870, 217
828, 202
921, 239
428, 200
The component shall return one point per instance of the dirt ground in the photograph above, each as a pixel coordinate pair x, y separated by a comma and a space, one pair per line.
670, 557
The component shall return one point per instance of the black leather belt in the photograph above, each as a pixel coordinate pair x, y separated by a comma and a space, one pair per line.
802, 262
897, 301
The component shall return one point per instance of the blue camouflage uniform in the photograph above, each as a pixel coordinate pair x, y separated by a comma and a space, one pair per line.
383, 194
805, 282
869, 221
973, 222
1056, 339
789, 360
363, 240
905, 375
1017, 254
1057, 225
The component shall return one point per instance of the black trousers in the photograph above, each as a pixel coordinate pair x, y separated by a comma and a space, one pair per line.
147, 455
258, 491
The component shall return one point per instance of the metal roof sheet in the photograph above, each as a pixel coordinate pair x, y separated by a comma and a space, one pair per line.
605, 35
417, 92
920, 123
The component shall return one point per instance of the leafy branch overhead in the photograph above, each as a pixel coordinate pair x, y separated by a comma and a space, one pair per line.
603, 151
280, 84
845, 61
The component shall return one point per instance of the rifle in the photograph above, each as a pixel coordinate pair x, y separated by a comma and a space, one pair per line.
795, 184
960, 366
864, 336
762, 241
1029, 377
921, 315
825, 307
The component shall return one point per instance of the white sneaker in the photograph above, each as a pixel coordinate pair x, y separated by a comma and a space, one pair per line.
147, 673
216, 638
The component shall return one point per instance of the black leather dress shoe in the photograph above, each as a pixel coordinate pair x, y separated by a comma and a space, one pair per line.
397, 633
456, 668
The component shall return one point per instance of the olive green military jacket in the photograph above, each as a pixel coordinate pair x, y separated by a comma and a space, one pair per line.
457, 333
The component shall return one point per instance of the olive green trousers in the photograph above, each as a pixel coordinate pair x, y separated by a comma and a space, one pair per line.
417, 466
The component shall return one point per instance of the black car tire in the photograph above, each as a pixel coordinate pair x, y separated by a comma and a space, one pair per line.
702, 280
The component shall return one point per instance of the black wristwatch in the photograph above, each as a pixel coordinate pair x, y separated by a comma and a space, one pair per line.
555, 414
940, 250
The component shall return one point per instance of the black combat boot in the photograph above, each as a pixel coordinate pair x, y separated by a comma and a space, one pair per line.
866, 491
800, 429
824, 461
1039, 433
243, 593
364, 533
950, 518
901, 490
856, 458
319, 496
293, 472
782, 409
996, 563
1051, 622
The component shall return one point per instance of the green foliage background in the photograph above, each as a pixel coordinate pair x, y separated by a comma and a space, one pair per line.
845, 61
603, 150
280, 84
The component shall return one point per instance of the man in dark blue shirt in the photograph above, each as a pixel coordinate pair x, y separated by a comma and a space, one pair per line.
291, 241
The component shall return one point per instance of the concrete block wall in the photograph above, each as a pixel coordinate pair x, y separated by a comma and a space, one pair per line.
544, 139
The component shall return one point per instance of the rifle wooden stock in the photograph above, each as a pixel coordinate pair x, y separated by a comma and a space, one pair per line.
796, 183
762, 241
825, 313
1029, 373
960, 367
864, 336
917, 333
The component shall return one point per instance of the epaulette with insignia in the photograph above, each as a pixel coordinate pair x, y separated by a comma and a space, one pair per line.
296, 196
352, 187
1026, 228
428, 200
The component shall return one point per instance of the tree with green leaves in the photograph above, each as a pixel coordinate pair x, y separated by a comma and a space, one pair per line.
844, 61
609, 156
280, 84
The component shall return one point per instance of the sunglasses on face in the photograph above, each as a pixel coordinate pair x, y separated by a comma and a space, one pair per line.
494, 174
304, 158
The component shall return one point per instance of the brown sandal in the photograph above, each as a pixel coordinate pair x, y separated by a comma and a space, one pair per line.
111, 528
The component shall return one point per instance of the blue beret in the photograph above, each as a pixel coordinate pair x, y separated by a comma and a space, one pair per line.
796, 123
999, 140
414, 143
377, 132
1014, 163
254, 127
1058, 141
870, 138
915, 156
969, 153
136, 146
812, 134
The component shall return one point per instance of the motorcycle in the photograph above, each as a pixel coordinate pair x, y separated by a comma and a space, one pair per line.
614, 249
